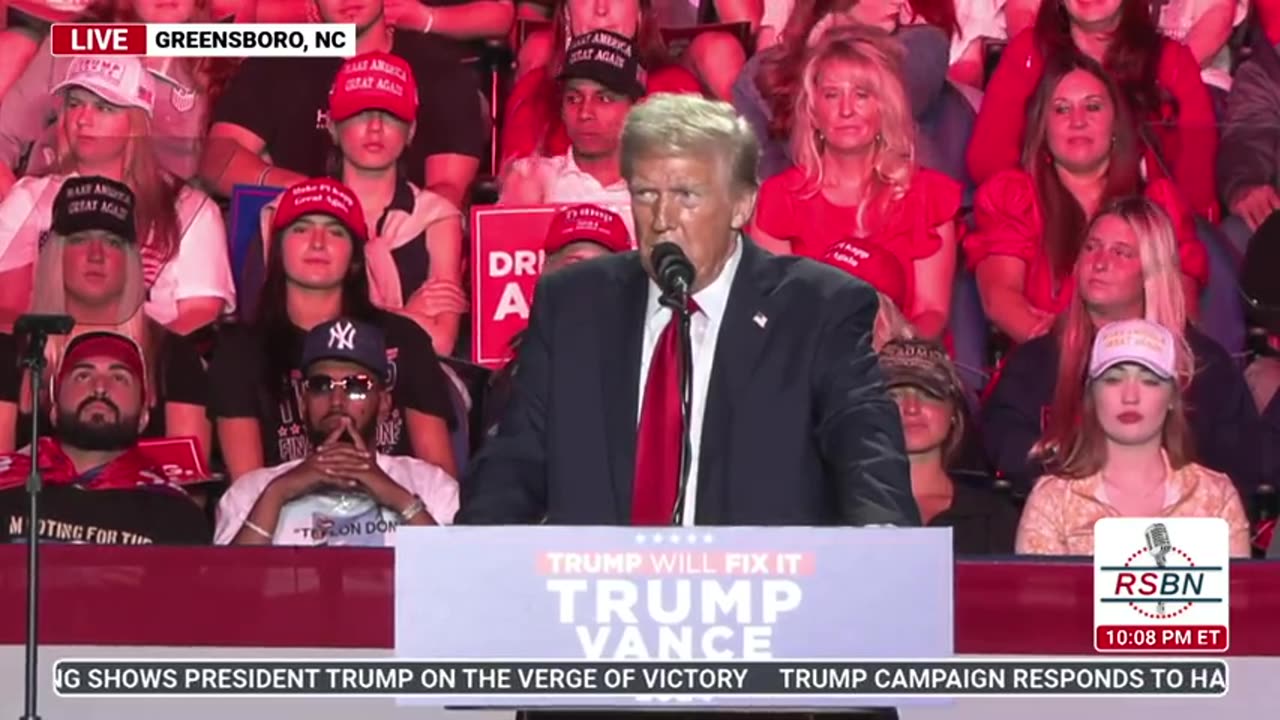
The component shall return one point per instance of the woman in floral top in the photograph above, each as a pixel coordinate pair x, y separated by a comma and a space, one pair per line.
1129, 456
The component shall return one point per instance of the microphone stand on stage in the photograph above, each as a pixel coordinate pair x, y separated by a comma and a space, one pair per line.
38, 328
679, 304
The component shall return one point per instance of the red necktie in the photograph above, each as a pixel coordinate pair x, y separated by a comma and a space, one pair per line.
660, 435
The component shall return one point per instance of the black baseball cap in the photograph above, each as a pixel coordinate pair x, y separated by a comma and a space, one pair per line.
348, 340
86, 203
607, 58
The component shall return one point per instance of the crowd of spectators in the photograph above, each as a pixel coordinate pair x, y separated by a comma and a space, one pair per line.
1055, 201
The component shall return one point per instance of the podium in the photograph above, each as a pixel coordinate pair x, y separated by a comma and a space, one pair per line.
672, 594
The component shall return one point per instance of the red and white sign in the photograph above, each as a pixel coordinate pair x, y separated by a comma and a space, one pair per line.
178, 457
1161, 585
506, 260
204, 39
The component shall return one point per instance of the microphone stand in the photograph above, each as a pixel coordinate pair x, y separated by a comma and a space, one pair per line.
679, 304
38, 328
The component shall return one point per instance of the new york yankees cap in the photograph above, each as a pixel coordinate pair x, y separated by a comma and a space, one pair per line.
348, 340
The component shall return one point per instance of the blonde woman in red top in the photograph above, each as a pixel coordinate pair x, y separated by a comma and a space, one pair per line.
532, 125
1159, 78
1080, 152
856, 174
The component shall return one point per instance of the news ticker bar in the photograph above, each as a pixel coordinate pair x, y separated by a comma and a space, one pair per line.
203, 39
792, 679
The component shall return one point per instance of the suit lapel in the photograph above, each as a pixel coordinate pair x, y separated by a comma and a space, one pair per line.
744, 330
622, 332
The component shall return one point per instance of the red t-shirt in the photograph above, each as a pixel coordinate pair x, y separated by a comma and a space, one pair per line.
1269, 18
532, 125
1009, 223
1189, 142
907, 227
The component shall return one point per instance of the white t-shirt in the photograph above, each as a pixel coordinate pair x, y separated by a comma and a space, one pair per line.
977, 19
1179, 16
339, 519
553, 181
201, 266
776, 13
540, 180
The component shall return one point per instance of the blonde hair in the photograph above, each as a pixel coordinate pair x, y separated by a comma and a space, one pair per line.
878, 58
666, 124
1070, 443
890, 324
49, 297
155, 196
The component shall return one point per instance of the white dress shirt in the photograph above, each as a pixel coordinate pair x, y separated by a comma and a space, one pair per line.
704, 329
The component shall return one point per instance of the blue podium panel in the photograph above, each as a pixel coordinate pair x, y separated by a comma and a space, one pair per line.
672, 594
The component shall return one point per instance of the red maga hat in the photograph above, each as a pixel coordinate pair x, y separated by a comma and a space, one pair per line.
587, 223
320, 196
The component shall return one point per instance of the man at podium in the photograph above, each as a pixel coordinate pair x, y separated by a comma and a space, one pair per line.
790, 420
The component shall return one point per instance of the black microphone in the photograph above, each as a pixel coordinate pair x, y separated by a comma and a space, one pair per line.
672, 269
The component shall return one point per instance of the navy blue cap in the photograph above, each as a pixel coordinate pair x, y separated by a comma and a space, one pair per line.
347, 340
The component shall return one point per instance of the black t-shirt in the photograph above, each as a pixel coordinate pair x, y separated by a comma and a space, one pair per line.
142, 516
180, 378
460, 50
240, 362
285, 101
982, 521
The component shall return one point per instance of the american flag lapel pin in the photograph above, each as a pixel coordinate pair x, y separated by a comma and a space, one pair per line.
760, 319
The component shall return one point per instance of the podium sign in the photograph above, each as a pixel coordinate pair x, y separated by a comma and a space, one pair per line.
671, 594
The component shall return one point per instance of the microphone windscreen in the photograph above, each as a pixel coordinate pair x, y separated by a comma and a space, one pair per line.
666, 252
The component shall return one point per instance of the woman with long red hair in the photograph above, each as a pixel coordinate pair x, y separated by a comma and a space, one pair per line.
1080, 151
1158, 78
1127, 269
1130, 454
532, 125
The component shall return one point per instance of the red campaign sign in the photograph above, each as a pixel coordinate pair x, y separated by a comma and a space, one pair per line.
178, 458
506, 261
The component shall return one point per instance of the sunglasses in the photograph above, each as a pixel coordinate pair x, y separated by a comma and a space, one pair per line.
355, 386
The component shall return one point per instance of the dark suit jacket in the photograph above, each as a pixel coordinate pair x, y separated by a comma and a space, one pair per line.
798, 428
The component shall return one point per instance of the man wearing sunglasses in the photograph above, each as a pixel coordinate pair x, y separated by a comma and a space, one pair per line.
344, 492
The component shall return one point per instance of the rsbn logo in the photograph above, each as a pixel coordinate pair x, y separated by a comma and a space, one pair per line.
1161, 584
1160, 579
